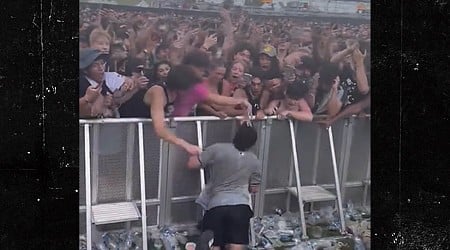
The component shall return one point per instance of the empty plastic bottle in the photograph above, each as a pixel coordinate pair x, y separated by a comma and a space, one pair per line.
359, 244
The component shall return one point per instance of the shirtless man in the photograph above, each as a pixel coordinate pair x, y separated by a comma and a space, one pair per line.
293, 105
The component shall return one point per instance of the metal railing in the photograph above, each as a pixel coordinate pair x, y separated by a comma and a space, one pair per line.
266, 132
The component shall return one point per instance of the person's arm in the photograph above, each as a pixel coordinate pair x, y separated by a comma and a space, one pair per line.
311, 97
178, 49
334, 104
85, 106
228, 30
126, 91
348, 111
341, 55
210, 110
271, 108
86, 102
194, 162
265, 99
361, 77
205, 158
231, 110
255, 179
304, 113
155, 96
213, 98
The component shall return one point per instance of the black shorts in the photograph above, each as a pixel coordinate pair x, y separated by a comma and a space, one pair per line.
230, 224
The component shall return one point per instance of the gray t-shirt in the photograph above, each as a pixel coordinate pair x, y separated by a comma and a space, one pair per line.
230, 172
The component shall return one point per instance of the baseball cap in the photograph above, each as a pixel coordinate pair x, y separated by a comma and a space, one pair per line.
88, 56
268, 50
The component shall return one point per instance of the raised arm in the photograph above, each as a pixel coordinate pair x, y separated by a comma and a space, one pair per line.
311, 97
334, 104
343, 53
86, 102
361, 77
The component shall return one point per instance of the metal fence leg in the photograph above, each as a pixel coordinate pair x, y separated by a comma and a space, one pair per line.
264, 157
87, 163
336, 179
95, 161
129, 165
343, 149
297, 178
316, 160
316, 155
366, 184
346, 156
142, 179
163, 176
291, 178
200, 144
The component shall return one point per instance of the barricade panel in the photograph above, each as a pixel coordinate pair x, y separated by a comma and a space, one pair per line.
279, 155
360, 150
109, 164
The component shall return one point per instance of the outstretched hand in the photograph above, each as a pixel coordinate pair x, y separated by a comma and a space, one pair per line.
358, 56
193, 149
325, 123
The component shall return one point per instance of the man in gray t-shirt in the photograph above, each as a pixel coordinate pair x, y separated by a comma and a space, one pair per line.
234, 172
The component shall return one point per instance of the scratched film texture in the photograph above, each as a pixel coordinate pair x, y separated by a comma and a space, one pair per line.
38, 167
39, 142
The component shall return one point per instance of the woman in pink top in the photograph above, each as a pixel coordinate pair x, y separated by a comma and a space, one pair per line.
185, 88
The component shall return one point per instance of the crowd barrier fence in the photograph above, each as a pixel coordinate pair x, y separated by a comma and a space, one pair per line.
126, 161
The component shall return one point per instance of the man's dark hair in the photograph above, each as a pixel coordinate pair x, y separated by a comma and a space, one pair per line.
307, 62
197, 58
181, 77
132, 65
245, 137
296, 90
241, 46
328, 73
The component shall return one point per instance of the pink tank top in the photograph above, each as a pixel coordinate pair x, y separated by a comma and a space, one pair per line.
186, 100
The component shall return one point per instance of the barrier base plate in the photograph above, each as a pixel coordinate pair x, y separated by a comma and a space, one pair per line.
115, 212
313, 193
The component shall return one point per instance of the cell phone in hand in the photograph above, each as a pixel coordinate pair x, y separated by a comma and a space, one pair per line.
247, 79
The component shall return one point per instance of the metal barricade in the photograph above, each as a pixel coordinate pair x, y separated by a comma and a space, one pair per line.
111, 149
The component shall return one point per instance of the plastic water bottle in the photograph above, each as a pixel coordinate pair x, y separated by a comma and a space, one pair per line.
111, 240
359, 244
158, 244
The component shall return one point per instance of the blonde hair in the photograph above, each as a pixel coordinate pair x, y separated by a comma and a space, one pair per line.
96, 34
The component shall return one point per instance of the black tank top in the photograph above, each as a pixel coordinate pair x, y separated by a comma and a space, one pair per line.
253, 100
169, 107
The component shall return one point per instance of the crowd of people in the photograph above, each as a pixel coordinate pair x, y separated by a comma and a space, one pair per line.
146, 64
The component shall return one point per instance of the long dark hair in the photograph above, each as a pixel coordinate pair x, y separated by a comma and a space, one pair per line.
182, 77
